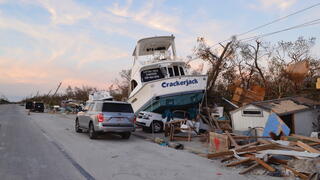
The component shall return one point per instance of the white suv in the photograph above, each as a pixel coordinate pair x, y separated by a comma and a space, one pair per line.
103, 116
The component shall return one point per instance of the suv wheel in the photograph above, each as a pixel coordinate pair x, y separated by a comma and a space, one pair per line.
92, 133
125, 135
156, 126
77, 126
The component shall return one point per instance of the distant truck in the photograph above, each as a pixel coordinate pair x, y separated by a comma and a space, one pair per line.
29, 105
35, 106
38, 107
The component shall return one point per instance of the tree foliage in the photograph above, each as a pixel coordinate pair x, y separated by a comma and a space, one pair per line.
243, 64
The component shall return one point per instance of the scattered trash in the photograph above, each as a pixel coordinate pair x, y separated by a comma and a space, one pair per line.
115, 156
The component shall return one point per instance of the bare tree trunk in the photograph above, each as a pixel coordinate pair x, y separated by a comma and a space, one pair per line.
216, 68
256, 63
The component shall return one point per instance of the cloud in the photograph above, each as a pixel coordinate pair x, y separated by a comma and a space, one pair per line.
63, 12
56, 55
87, 52
147, 16
273, 4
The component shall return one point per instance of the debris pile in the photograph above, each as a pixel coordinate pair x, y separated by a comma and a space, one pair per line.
293, 155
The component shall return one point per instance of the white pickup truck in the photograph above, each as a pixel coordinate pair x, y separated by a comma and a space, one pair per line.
154, 122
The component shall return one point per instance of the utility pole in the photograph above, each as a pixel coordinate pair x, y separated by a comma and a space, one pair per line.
49, 92
57, 89
54, 93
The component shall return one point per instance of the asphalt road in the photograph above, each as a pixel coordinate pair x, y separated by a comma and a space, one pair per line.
45, 146
25, 153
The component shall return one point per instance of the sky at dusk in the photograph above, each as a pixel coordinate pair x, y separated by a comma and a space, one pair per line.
88, 42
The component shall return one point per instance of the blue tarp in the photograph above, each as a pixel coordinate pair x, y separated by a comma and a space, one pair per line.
276, 125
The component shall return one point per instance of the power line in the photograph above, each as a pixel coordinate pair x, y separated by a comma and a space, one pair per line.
279, 19
309, 23
271, 22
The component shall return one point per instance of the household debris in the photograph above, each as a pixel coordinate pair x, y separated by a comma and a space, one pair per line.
242, 96
293, 155
265, 143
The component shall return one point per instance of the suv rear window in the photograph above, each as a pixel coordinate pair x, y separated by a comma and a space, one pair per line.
115, 107
39, 105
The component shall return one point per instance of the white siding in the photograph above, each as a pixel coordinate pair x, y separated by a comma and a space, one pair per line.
303, 122
242, 123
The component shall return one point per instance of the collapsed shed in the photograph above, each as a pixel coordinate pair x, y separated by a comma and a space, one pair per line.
300, 114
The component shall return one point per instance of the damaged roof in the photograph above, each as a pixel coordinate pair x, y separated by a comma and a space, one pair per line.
287, 105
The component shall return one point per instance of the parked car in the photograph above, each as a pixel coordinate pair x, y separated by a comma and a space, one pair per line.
29, 105
38, 107
150, 121
104, 116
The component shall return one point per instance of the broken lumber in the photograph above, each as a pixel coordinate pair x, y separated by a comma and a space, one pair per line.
264, 141
233, 142
277, 161
246, 145
239, 162
305, 138
296, 173
255, 148
264, 164
249, 168
227, 158
307, 147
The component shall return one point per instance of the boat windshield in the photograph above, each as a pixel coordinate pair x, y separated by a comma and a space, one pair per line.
151, 74
163, 72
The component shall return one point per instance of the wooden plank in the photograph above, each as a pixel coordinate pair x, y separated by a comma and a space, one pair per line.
302, 176
313, 144
278, 161
249, 168
256, 148
307, 147
264, 141
227, 158
248, 137
247, 145
290, 148
306, 138
239, 162
264, 164
233, 142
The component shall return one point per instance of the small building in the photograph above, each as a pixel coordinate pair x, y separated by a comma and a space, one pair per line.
300, 114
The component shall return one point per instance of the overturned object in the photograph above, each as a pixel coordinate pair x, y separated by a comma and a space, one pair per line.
275, 125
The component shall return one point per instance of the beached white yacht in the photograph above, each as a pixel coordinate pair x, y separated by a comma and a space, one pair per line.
160, 81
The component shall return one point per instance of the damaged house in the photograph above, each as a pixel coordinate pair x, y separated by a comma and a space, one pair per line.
300, 114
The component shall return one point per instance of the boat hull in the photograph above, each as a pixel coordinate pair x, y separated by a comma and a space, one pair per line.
172, 93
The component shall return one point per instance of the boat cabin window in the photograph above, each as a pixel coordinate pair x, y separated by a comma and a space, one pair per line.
133, 84
181, 71
164, 71
151, 74
170, 71
176, 70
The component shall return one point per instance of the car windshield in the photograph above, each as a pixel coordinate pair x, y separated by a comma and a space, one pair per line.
39, 104
117, 107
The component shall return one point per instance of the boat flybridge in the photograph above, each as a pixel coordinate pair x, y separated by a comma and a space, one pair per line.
160, 81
